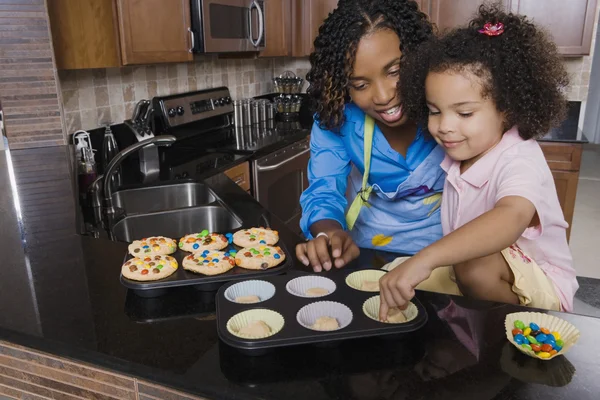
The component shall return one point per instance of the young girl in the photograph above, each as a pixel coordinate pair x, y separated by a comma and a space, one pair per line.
363, 145
486, 92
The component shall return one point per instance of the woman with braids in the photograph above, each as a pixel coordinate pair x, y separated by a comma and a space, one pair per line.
362, 142
486, 92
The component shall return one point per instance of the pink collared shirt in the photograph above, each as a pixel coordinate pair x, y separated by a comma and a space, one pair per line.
515, 167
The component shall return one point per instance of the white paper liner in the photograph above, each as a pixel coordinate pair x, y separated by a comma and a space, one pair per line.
299, 286
568, 333
263, 289
270, 317
371, 310
390, 266
309, 314
355, 279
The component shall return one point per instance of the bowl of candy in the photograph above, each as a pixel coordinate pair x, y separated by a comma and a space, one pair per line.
540, 335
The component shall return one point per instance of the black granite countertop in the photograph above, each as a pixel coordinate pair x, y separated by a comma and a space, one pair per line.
60, 293
568, 131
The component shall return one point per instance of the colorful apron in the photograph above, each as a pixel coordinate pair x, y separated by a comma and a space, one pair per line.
403, 221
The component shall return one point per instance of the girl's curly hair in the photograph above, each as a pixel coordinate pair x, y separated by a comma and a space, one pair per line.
335, 48
520, 69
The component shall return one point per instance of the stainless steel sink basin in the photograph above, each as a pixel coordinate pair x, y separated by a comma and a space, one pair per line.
160, 198
176, 223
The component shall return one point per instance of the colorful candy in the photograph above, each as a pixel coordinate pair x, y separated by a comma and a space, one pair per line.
540, 340
519, 325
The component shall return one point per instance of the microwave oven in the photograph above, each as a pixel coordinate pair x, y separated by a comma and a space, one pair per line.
224, 26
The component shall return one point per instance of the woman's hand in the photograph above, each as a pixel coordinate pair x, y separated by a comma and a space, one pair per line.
319, 252
398, 286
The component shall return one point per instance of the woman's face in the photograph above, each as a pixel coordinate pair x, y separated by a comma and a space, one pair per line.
374, 79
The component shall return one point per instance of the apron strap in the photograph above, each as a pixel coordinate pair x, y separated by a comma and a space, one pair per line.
362, 196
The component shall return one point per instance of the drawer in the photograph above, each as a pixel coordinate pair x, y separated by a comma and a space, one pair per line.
562, 156
240, 174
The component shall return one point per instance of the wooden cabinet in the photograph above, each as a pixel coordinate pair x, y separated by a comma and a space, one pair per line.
278, 28
564, 160
153, 31
113, 33
84, 33
569, 22
240, 174
447, 14
307, 17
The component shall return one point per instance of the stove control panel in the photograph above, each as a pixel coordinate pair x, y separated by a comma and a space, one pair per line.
180, 109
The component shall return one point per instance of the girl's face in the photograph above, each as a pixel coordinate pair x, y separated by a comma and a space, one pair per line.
374, 79
464, 123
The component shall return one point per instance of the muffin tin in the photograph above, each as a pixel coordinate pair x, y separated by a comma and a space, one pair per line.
183, 277
289, 305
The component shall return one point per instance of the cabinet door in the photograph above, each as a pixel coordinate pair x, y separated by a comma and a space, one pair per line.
308, 16
240, 174
278, 15
84, 34
569, 22
154, 31
566, 189
447, 14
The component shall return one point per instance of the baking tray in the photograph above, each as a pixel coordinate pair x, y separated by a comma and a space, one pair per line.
181, 277
293, 333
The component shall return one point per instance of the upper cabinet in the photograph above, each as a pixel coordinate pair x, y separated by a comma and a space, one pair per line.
154, 31
570, 22
307, 17
113, 33
84, 33
447, 14
278, 24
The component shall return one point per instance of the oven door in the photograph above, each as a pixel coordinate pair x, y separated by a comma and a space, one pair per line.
232, 25
279, 180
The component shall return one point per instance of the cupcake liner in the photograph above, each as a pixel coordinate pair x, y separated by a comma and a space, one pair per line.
299, 286
355, 279
270, 317
263, 289
568, 333
371, 310
390, 266
309, 314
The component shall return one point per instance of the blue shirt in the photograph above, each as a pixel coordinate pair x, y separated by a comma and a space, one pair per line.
403, 214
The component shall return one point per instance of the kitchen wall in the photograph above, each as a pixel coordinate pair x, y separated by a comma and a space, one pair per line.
93, 98
28, 85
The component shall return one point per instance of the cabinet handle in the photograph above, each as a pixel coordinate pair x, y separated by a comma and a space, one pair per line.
192, 43
239, 180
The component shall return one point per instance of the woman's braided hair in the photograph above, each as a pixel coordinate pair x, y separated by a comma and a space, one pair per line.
335, 48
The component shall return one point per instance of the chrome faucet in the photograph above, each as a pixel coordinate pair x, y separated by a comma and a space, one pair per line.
163, 140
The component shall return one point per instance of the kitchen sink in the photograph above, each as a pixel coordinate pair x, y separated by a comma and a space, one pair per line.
176, 223
161, 198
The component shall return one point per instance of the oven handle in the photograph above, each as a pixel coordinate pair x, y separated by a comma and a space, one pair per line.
272, 167
261, 23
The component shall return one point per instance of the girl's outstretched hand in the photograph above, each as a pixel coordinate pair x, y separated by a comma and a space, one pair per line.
320, 252
398, 286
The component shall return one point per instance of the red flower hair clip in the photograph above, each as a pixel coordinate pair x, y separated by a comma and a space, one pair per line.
492, 29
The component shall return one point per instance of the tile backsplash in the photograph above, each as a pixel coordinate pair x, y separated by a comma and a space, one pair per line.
93, 98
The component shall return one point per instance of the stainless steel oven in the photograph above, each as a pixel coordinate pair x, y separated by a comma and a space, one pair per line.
220, 26
279, 180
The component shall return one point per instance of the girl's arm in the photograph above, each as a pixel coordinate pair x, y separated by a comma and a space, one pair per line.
490, 233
